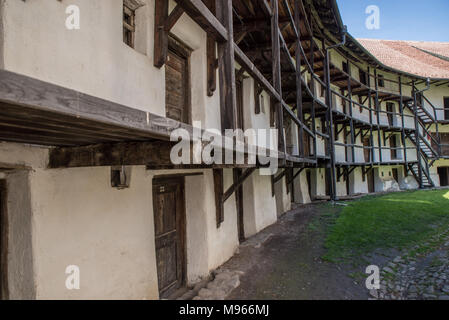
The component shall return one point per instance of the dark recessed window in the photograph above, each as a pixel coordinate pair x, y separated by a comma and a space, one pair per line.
363, 77
381, 81
446, 108
345, 67
129, 25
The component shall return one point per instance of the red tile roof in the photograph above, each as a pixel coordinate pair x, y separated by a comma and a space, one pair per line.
426, 59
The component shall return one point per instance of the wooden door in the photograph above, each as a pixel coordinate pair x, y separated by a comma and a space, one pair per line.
367, 151
370, 177
309, 183
177, 87
169, 226
393, 146
395, 174
3, 243
443, 173
390, 110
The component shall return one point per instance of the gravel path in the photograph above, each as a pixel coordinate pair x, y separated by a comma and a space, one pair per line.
422, 273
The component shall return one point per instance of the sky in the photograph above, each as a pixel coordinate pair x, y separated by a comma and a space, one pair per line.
418, 20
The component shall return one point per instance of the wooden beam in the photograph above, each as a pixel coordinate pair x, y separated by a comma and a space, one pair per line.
211, 66
237, 183
226, 67
277, 80
28, 98
199, 13
160, 35
111, 154
173, 17
218, 189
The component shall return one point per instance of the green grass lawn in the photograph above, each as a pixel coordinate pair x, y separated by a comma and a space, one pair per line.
396, 220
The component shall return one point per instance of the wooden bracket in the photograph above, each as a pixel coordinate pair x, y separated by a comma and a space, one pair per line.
221, 196
365, 172
163, 23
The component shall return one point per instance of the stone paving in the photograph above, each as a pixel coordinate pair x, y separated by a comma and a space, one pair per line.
422, 273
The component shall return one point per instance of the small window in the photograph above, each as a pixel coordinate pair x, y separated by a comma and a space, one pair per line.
363, 77
129, 25
446, 108
345, 67
381, 81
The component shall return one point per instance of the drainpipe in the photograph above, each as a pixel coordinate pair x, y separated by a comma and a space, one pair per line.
418, 144
329, 115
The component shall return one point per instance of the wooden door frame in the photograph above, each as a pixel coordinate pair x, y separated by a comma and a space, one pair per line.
184, 51
4, 289
179, 180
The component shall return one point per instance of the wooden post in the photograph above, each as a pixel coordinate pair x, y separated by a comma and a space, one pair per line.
219, 190
277, 81
298, 80
377, 106
211, 54
160, 35
226, 67
401, 109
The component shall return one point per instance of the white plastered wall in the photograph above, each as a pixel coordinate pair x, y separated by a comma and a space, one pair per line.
259, 206
76, 218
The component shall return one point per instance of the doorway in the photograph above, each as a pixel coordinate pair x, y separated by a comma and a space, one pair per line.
367, 149
177, 82
395, 174
393, 147
3, 243
169, 231
390, 114
370, 178
443, 173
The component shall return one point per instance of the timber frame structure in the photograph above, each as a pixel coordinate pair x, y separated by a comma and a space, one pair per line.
276, 43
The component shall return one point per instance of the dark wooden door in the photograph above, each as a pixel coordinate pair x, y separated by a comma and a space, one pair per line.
370, 177
176, 87
3, 243
393, 146
348, 187
309, 183
444, 178
390, 110
367, 151
395, 174
446, 108
169, 226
